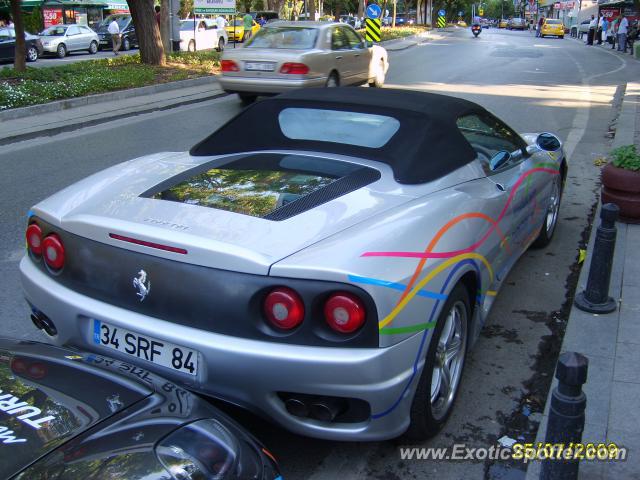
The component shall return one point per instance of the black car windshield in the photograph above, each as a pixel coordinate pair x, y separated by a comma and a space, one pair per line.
121, 20
285, 38
553, 22
255, 185
54, 31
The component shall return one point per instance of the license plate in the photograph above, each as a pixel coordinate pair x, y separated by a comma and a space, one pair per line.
260, 66
159, 352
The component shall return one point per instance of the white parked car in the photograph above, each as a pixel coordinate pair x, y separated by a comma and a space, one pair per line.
204, 36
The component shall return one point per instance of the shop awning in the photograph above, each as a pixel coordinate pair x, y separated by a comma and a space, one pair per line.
116, 5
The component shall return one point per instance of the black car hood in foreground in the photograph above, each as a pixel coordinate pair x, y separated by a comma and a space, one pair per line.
46, 399
76, 416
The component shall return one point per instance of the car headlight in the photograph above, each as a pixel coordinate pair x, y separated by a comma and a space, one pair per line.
206, 449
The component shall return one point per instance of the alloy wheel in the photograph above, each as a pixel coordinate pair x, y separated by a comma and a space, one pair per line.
449, 360
32, 54
554, 207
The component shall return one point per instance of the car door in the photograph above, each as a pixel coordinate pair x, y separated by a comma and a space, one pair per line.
73, 40
7, 44
510, 198
361, 56
339, 55
86, 37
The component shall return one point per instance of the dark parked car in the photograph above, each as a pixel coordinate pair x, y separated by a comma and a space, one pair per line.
72, 415
127, 30
8, 45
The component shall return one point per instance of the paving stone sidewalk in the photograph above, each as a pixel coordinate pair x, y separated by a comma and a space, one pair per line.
611, 341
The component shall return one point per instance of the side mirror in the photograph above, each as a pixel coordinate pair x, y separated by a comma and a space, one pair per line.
548, 142
499, 159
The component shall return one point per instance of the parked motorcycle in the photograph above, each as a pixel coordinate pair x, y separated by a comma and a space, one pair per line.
476, 29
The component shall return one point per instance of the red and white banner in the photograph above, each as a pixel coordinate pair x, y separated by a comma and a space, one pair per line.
52, 16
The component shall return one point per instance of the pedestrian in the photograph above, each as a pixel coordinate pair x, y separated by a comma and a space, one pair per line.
114, 31
592, 30
622, 34
158, 15
540, 23
601, 21
220, 22
248, 24
613, 32
631, 36
605, 30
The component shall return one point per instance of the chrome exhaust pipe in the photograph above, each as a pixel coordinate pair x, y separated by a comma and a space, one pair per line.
42, 322
327, 409
296, 407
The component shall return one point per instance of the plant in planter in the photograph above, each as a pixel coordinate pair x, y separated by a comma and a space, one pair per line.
621, 182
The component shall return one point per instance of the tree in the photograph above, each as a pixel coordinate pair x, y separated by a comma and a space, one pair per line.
147, 31
20, 62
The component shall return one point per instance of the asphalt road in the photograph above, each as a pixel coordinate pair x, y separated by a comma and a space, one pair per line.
533, 84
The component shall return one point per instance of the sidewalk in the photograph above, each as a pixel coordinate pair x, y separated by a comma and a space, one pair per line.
611, 341
72, 114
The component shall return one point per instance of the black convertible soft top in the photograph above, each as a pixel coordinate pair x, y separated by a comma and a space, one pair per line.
427, 146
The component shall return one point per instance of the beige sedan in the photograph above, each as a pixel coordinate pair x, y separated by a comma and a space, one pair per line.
288, 55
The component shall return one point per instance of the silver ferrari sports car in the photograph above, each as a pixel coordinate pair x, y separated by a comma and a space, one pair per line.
330, 273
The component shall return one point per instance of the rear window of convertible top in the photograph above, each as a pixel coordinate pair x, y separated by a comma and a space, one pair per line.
351, 128
257, 184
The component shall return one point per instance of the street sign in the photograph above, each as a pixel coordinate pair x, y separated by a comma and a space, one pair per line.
442, 21
372, 26
480, 12
214, 6
441, 13
460, 13
373, 11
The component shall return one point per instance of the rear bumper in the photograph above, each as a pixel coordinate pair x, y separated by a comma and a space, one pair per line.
267, 85
250, 372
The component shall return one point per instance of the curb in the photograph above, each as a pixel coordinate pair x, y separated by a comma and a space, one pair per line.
103, 97
97, 121
626, 122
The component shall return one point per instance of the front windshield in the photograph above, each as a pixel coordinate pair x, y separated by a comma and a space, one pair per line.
284, 37
121, 20
54, 31
238, 22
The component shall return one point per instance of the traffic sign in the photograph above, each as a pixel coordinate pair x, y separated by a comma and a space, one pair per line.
441, 13
441, 22
373, 11
372, 26
480, 12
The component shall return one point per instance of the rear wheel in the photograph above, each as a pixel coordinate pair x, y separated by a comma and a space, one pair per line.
561, 37
126, 44
333, 80
192, 46
220, 45
61, 51
247, 98
440, 378
32, 54
551, 217
93, 48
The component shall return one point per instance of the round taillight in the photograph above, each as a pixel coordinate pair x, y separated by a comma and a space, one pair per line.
34, 239
37, 370
53, 251
344, 312
284, 308
18, 366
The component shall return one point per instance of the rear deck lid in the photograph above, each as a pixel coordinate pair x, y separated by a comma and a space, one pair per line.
48, 396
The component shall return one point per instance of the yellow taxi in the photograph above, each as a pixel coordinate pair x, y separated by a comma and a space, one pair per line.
552, 26
462, 23
503, 23
236, 30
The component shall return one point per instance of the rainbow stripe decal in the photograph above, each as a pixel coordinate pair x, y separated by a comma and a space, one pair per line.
455, 259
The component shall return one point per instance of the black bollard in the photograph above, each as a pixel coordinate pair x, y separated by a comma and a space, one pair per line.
566, 415
595, 298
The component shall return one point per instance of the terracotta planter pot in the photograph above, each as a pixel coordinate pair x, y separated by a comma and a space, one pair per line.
622, 187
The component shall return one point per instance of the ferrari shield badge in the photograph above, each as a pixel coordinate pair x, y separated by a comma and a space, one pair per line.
142, 285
